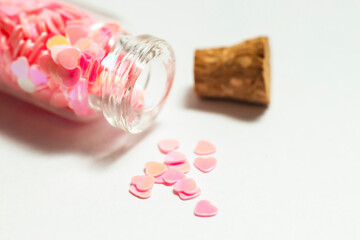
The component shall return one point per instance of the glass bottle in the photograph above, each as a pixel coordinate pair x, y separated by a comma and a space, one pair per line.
60, 58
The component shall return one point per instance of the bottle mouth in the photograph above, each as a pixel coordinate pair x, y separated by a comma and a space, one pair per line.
137, 78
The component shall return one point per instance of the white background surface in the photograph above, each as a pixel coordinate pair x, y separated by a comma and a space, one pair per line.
290, 171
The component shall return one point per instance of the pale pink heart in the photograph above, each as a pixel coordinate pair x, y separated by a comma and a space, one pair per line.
69, 77
58, 100
55, 51
20, 68
76, 32
187, 186
184, 196
68, 57
183, 167
134, 191
155, 169
143, 183
174, 157
205, 209
37, 77
168, 145
204, 147
171, 176
205, 164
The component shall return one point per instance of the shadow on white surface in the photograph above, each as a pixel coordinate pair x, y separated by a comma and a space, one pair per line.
234, 109
50, 134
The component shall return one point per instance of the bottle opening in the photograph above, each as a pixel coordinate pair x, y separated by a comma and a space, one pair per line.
136, 81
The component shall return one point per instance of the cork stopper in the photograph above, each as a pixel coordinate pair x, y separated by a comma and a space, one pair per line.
239, 72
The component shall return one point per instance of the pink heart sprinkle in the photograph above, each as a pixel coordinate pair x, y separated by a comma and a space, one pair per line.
69, 77
155, 169
205, 209
184, 196
204, 147
171, 176
143, 183
205, 164
187, 185
37, 77
68, 57
168, 145
136, 193
76, 32
174, 157
183, 167
20, 67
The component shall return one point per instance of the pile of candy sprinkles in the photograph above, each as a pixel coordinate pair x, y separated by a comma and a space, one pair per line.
172, 172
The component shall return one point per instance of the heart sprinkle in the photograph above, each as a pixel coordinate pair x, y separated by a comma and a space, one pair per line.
69, 57
168, 145
205, 209
205, 164
57, 40
20, 68
155, 169
133, 190
174, 157
187, 186
204, 147
37, 77
143, 183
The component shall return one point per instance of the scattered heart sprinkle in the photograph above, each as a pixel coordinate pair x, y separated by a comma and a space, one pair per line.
168, 145
204, 147
174, 157
205, 209
205, 164
155, 169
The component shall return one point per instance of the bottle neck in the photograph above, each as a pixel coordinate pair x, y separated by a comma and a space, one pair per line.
135, 81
